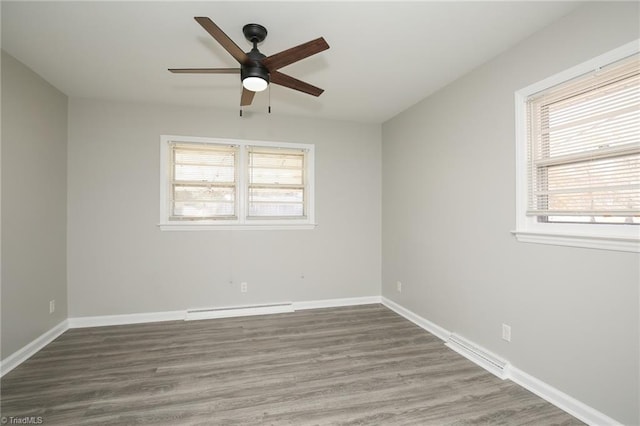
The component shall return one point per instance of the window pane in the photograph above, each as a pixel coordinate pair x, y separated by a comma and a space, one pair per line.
275, 210
278, 168
592, 201
276, 195
213, 165
276, 176
606, 185
591, 122
213, 156
203, 210
276, 183
277, 160
595, 219
203, 193
276, 202
197, 173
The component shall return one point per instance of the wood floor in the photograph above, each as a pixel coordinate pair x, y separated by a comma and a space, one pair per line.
361, 365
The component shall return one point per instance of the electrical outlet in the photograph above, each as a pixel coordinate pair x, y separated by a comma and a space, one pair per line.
506, 332
399, 286
52, 306
243, 287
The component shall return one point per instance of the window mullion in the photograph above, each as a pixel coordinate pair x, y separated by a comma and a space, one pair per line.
242, 182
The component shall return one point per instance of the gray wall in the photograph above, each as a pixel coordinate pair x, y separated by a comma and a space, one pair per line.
449, 204
34, 205
121, 263
575, 323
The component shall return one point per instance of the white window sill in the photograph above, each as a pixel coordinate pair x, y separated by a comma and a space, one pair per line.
235, 227
627, 244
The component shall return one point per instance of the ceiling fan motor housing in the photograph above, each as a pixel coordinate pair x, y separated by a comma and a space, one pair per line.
253, 67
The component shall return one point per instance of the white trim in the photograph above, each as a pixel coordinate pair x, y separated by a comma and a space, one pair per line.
334, 303
567, 403
480, 356
431, 327
607, 58
238, 311
528, 229
560, 399
30, 349
223, 227
124, 319
584, 241
106, 320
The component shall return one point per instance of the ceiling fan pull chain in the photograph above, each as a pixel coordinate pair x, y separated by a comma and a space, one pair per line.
240, 111
269, 99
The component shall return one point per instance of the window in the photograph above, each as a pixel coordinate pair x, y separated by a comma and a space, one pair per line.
229, 184
276, 182
578, 144
202, 181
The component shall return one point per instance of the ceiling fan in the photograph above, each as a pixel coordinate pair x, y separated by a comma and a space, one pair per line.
257, 70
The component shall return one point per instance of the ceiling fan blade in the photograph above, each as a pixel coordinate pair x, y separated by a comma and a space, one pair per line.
294, 54
247, 97
205, 70
222, 38
285, 80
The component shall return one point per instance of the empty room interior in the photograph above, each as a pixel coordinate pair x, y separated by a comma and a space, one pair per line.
283, 213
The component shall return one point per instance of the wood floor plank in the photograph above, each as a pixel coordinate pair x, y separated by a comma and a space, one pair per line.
360, 365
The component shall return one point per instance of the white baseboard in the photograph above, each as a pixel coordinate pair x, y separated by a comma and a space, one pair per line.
106, 320
30, 349
21, 355
223, 312
485, 359
545, 391
560, 399
432, 328
277, 308
335, 303
238, 311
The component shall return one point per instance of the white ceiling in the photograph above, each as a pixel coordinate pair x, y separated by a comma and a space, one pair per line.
384, 56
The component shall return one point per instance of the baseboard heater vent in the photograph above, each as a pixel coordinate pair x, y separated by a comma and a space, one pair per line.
484, 359
238, 311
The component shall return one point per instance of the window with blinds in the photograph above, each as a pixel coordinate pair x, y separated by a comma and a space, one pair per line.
583, 151
213, 184
276, 182
203, 181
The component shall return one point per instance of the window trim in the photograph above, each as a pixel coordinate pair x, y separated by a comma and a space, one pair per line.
528, 229
242, 222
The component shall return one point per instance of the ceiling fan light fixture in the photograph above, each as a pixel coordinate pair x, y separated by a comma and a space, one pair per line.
255, 78
255, 84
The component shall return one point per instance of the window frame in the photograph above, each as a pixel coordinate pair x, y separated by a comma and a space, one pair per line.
242, 221
617, 237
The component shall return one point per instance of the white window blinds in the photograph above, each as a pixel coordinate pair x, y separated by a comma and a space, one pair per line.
584, 147
276, 183
203, 181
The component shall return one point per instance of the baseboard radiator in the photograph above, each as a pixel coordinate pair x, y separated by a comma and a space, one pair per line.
478, 355
238, 311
